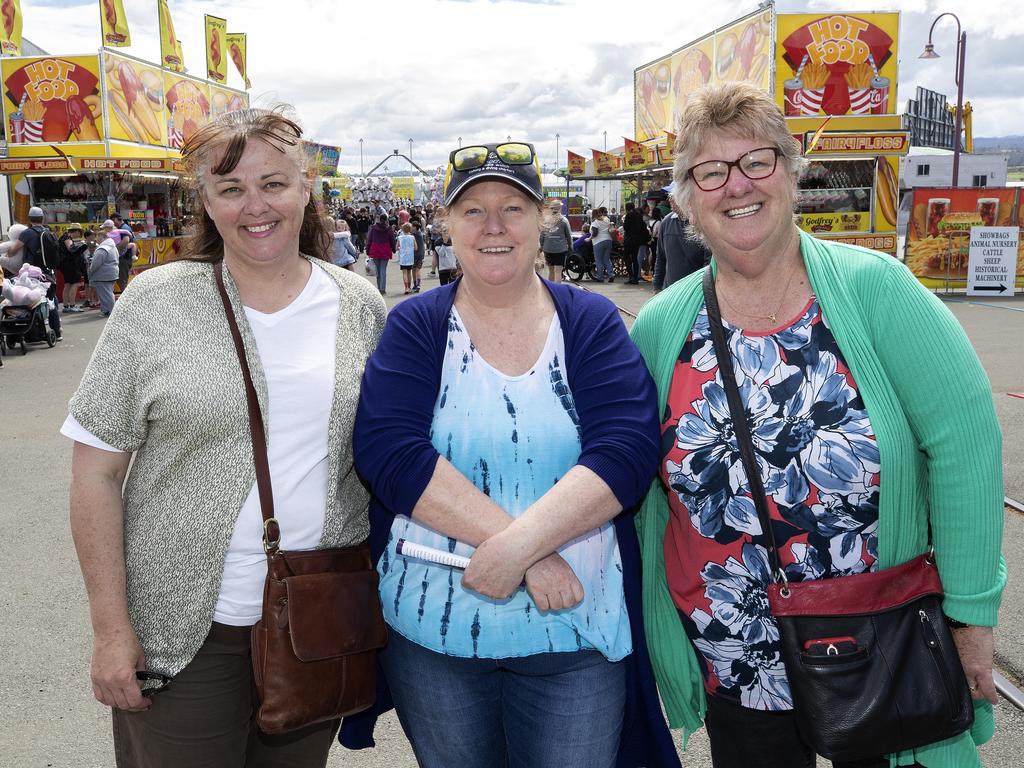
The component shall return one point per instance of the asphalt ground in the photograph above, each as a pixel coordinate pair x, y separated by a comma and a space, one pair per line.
46, 707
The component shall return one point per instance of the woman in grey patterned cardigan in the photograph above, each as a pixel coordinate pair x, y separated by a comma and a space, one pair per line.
164, 512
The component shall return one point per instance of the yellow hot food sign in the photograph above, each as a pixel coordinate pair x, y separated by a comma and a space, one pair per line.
837, 64
52, 100
739, 51
135, 100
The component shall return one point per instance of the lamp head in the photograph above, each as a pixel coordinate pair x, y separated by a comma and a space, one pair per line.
929, 52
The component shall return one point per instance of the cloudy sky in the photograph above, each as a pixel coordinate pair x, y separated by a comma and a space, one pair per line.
387, 71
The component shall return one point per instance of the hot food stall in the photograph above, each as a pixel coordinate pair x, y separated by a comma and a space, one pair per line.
90, 136
834, 77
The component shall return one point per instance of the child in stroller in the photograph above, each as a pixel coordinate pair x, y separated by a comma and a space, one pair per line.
26, 308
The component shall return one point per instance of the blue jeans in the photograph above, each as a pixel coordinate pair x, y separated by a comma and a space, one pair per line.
381, 267
550, 710
603, 260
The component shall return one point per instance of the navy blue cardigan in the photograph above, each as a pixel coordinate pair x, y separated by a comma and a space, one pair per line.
615, 400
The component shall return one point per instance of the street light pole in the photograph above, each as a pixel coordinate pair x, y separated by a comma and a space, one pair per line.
557, 137
606, 141
410, 149
961, 52
361, 157
460, 142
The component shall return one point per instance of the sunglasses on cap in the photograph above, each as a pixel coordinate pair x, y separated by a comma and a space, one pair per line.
510, 153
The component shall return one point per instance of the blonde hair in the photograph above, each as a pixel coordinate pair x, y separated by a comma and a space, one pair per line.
218, 147
735, 109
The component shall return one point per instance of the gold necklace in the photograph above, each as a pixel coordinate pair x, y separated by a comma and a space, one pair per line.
772, 317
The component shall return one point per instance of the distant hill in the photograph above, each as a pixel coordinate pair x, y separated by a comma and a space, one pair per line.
1011, 146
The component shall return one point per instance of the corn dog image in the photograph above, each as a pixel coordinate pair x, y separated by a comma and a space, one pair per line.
886, 188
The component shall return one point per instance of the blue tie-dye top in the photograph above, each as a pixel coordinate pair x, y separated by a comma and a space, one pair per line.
513, 437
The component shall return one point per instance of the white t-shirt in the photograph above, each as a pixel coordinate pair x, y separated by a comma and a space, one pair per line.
446, 257
602, 226
296, 348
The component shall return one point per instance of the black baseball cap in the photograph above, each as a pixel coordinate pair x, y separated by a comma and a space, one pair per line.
514, 162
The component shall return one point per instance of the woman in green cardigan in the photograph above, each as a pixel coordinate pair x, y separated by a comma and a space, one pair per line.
872, 421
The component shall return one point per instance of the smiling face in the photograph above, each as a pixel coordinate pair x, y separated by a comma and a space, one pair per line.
745, 218
495, 231
257, 207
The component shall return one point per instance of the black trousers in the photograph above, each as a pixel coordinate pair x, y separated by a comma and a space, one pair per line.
743, 738
631, 248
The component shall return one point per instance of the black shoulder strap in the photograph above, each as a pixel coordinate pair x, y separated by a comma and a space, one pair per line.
740, 426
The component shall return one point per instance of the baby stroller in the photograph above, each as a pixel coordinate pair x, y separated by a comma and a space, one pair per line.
26, 325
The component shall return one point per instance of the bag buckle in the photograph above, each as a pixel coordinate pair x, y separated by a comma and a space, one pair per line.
271, 539
780, 577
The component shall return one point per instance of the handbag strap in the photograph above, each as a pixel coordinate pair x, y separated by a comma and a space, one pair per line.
740, 425
257, 431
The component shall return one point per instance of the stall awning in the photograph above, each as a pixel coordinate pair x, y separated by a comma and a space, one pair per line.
71, 166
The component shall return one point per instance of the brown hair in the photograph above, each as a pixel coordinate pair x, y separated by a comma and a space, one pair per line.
218, 147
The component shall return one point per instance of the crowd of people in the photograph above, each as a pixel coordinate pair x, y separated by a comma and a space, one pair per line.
617, 572
80, 267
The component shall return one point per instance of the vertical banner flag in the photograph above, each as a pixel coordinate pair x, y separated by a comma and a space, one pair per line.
10, 35
577, 164
170, 45
634, 154
604, 162
216, 58
114, 24
236, 47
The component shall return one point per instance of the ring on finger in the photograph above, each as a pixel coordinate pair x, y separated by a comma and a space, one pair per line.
972, 688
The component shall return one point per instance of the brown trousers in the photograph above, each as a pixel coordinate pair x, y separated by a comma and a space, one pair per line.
206, 718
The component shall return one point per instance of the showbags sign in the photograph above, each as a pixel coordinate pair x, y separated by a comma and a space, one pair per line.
992, 261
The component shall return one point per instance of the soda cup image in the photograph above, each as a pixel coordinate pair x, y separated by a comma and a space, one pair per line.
988, 210
791, 95
17, 128
879, 95
938, 207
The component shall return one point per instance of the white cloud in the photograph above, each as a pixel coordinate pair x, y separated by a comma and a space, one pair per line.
433, 70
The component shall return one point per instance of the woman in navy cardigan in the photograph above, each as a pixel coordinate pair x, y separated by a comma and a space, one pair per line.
510, 420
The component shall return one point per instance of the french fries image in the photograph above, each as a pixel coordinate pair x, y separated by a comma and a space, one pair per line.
130, 103
886, 188
33, 110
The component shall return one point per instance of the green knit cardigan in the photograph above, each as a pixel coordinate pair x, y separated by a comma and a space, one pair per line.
931, 409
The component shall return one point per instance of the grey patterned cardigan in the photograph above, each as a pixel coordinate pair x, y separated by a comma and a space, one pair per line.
164, 383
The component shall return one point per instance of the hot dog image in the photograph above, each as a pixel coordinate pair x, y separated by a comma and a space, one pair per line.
236, 56
135, 100
215, 48
886, 190
8, 11
110, 13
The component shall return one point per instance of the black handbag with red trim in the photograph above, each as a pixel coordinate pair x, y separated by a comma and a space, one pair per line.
870, 659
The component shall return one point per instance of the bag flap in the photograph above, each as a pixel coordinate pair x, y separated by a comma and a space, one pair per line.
334, 614
858, 595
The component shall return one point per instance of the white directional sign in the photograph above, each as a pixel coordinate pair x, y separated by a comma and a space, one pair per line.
992, 261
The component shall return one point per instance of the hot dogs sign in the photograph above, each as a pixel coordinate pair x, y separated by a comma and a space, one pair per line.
836, 65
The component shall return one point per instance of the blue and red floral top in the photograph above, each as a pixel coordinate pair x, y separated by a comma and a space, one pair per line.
820, 469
